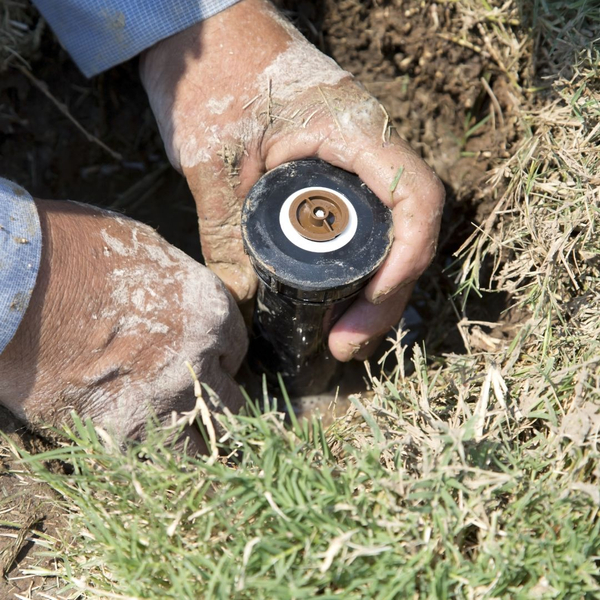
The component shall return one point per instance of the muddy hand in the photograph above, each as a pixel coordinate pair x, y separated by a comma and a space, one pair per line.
115, 315
244, 92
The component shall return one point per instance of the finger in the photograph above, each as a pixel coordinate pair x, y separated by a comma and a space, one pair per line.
396, 175
368, 348
406, 184
356, 334
219, 191
219, 390
417, 204
409, 187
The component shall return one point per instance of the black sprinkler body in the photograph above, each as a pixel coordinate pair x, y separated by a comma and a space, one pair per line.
315, 235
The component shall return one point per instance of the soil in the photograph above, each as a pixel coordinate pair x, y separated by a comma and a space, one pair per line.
29, 513
404, 51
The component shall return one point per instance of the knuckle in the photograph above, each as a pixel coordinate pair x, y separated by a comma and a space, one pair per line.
432, 191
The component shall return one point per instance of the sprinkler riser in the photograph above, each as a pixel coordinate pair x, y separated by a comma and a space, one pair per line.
289, 337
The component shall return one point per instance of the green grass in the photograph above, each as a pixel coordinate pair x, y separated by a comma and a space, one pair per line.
388, 503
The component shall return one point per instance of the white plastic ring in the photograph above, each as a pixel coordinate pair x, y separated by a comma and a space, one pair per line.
298, 240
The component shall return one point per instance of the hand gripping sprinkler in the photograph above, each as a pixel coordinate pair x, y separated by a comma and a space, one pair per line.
315, 235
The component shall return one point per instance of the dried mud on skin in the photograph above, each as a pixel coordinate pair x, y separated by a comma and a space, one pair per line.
404, 52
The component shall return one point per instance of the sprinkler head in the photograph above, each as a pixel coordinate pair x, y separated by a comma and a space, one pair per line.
314, 232
315, 235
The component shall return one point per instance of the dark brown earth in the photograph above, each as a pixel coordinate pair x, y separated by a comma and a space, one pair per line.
29, 515
406, 52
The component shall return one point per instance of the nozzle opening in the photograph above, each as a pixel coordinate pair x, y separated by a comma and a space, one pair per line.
319, 215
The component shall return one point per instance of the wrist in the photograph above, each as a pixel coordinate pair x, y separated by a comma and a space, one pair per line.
61, 270
226, 77
203, 76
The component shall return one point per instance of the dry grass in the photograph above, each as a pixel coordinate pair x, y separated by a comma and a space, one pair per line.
20, 32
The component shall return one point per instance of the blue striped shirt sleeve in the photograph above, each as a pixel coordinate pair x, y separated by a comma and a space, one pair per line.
99, 34
20, 251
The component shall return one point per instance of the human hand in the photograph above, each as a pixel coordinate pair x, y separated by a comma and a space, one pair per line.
115, 315
244, 92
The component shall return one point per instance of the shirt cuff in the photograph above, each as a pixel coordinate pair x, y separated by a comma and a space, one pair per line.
20, 252
99, 34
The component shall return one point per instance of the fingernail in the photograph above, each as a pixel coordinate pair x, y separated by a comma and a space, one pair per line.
359, 351
356, 348
365, 353
382, 295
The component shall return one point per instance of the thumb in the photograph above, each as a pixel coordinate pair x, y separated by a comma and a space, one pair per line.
219, 194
